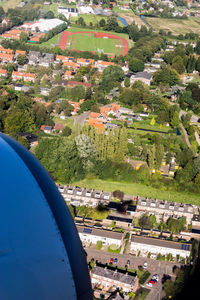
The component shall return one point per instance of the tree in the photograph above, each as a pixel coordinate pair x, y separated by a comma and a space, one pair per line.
169, 287
159, 154
197, 48
61, 159
49, 15
102, 23
136, 65
86, 150
23, 37
191, 64
198, 64
151, 157
166, 75
18, 121
174, 121
21, 59
118, 194
127, 82
114, 73
177, 64
66, 131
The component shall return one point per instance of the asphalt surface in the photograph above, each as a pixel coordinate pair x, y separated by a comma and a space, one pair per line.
153, 266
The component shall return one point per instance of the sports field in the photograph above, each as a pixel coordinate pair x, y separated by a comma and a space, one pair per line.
97, 42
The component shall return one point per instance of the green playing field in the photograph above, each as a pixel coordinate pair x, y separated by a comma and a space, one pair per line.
87, 42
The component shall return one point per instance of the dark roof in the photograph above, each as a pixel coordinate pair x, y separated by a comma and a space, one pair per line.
113, 205
29, 136
196, 230
120, 219
144, 75
114, 275
131, 208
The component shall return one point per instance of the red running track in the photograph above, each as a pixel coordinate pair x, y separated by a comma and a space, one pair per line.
65, 35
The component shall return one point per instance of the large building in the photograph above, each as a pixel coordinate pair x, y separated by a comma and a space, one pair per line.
43, 25
68, 12
107, 279
146, 245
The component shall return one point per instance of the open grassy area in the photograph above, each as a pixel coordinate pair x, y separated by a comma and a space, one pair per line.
87, 42
138, 189
52, 42
68, 122
52, 7
9, 4
176, 26
89, 18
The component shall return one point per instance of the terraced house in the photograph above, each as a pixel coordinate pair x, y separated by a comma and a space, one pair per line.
30, 77
93, 235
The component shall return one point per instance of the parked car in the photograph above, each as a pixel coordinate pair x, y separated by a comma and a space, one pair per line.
111, 261
152, 281
156, 277
115, 260
149, 284
128, 262
145, 265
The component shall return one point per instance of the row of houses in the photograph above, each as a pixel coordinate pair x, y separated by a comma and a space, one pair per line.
144, 245
80, 196
107, 279
79, 62
161, 209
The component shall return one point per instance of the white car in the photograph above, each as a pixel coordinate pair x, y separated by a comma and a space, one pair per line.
145, 265
156, 277
149, 284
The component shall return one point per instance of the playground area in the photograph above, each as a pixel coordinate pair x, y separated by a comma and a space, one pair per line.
96, 42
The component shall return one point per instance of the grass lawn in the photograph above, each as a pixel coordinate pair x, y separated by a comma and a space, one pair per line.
176, 26
9, 4
52, 42
138, 189
89, 18
68, 122
90, 43
52, 7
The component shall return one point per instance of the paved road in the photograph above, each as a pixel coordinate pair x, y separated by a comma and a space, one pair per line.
81, 118
154, 266
197, 137
186, 135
